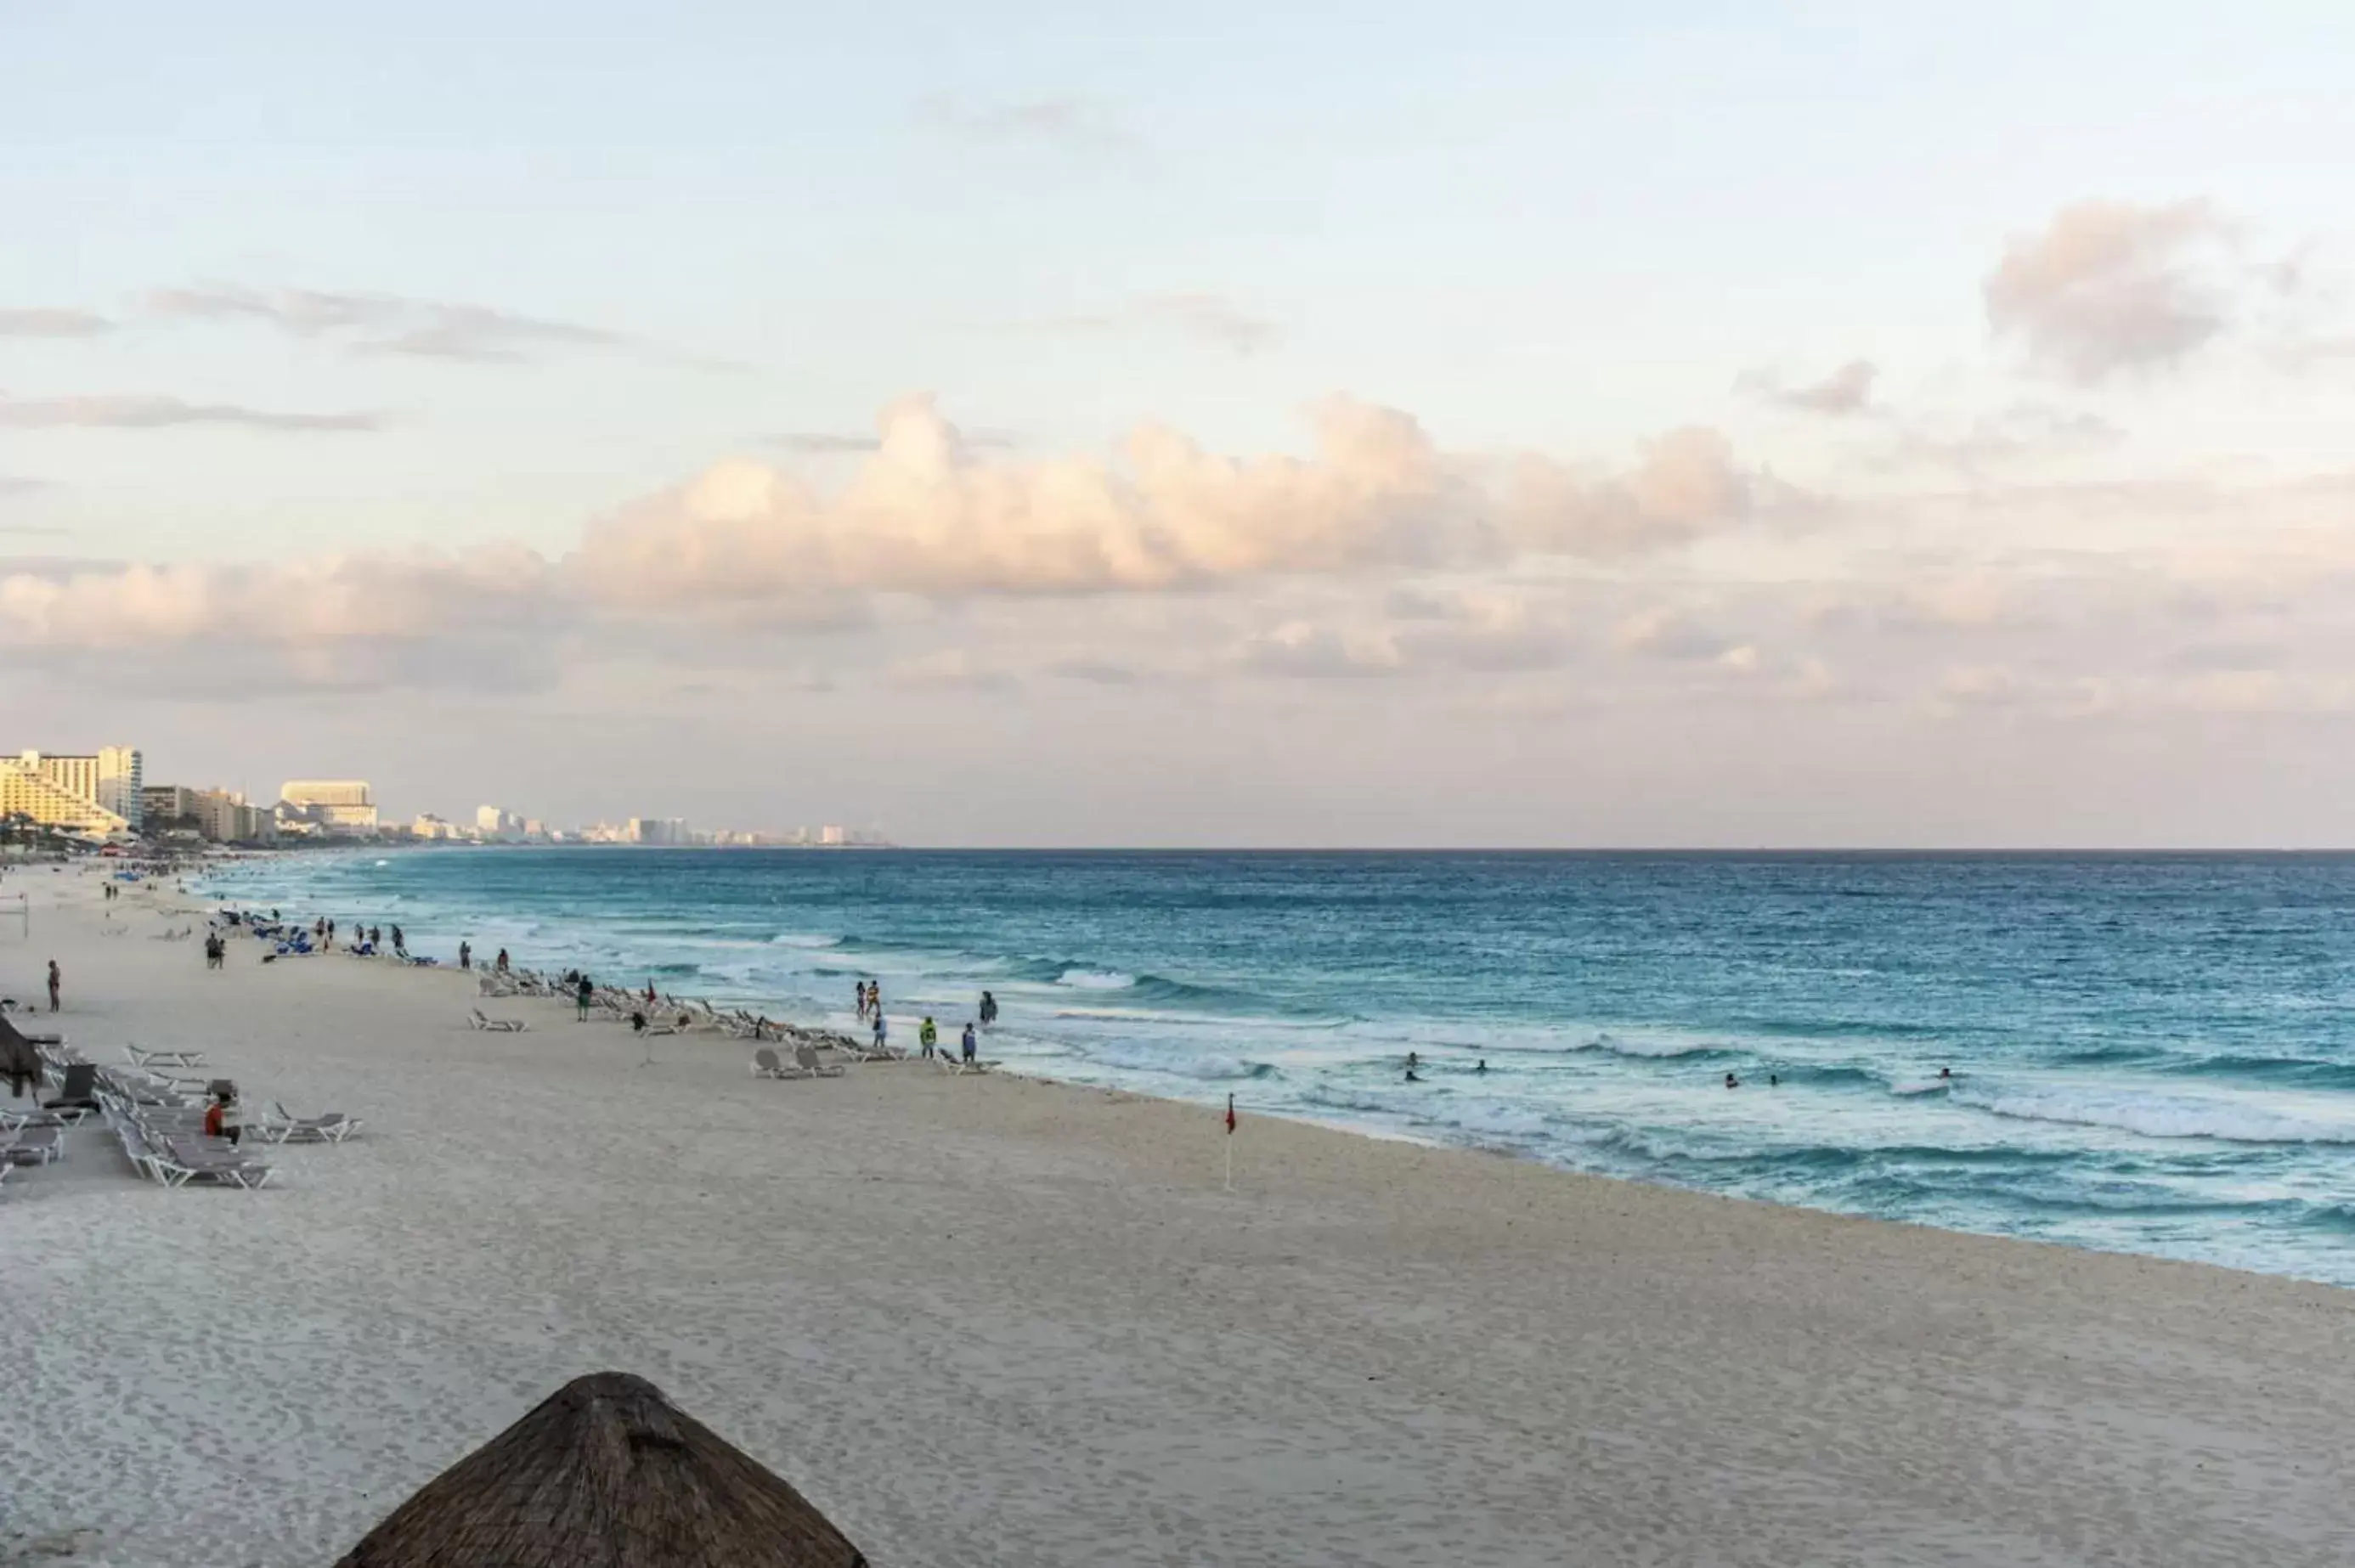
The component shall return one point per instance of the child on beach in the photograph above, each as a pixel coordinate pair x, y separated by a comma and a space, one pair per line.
968, 1041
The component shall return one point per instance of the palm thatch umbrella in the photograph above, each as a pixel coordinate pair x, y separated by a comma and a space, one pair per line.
18, 1058
606, 1473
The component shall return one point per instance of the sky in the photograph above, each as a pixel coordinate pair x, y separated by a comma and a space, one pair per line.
1372, 425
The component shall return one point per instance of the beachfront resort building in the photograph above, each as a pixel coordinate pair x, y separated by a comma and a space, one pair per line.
215, 815
95, 795
664, 830
337, 807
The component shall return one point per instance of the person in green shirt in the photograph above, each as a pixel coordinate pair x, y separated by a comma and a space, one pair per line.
928, 1037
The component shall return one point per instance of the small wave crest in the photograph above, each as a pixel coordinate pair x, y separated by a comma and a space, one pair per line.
1208, 1066
1621, 1045
800, 939
2155, 1116
1095, 980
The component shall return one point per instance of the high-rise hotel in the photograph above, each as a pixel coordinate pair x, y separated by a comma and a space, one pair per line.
95, 795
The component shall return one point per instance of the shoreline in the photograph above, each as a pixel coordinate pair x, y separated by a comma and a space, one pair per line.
1587, 1128
1009, 1320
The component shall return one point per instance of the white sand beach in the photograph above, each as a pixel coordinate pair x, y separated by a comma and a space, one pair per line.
991, 1321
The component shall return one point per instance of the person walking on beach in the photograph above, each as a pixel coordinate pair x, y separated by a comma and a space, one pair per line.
988, 1010
56, 980
215, 950
928, 1038
968, 1045
465, 955
501, 964
398, 945
330, 936
585, 994
882, 1033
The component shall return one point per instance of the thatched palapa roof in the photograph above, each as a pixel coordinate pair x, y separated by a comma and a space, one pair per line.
606, 1473
17, 1055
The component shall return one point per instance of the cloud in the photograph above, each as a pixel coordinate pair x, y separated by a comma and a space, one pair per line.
1299, 650
2024, 433
1211, 318
923, 515
332, 598
1667, 635
951, 668
392, 323
1686, 485
837, 443
14, 485
2110, 287
1072, 123
121, 411
52, 323
1847, 390
1100, 672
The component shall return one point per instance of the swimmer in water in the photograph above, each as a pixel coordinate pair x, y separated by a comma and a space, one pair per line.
1412, 1062
1946, 1075
1731, 1082
1411, 1076
1773, 1079
1483, 1067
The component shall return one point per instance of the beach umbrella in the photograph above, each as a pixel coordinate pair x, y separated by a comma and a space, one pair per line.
606, 1473
18, 1058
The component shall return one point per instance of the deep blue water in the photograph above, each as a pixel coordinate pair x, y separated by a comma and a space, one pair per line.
2152, 1053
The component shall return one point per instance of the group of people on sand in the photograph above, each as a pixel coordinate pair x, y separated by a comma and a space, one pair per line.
869, 995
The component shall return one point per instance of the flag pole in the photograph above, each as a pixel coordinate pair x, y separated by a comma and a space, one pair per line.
1231, 1143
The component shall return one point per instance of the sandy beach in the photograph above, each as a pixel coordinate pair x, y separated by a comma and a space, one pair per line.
1001, 1321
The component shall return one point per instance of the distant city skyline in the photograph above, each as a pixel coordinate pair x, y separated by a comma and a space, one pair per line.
1530, 425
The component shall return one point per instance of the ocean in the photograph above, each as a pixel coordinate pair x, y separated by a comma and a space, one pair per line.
2149, 1054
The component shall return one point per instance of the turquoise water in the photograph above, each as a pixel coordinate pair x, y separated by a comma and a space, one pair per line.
2152, 1053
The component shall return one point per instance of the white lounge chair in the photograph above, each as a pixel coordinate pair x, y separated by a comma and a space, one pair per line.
806, 1058
282, 1127
496, 1026
766, 1065
145, 1057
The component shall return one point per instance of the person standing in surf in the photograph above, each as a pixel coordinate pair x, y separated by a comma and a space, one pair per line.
988, 1009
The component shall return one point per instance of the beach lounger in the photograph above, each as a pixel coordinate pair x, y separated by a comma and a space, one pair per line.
141, 1058
497, 1026
178, 1162
78, 1090
282, 1127
952, 1062
34, 1145
766, 1065
806, 1058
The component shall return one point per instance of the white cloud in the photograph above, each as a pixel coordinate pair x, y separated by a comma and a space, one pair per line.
141, 411
2111, 287
1071, 122
52, 323
371, 323
1211, 319
925, 515
1846, 390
